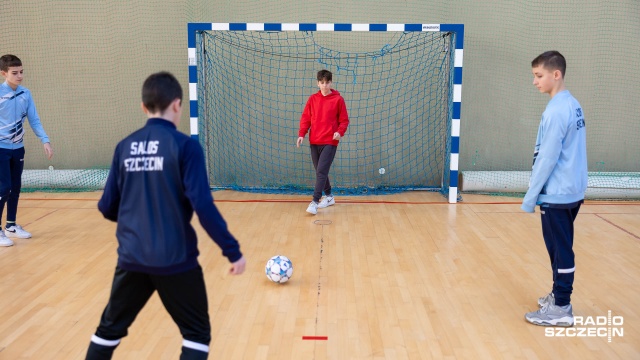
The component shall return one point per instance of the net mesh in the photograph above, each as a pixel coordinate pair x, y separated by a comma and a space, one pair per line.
253, 86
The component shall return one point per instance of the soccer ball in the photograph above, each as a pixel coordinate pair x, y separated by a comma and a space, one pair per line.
279, 269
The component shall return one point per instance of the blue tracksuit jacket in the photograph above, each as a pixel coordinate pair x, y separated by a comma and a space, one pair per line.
15, 106
559, 174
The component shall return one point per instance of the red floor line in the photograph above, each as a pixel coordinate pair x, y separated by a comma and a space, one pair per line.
341, 201
360, 201
315, 338
619, 227
41, 217
60, 199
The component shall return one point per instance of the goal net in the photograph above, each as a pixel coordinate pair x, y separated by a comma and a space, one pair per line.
398, 87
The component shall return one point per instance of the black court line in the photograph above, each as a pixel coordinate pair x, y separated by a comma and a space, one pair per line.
321, 223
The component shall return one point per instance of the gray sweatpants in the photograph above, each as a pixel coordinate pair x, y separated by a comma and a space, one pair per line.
322, 157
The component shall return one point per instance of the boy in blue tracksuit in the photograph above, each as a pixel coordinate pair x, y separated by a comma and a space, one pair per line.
16, 105
558, 183
157, 180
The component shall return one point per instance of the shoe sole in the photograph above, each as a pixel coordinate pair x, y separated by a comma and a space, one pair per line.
322, 207
10, 234
5, 245
564, 322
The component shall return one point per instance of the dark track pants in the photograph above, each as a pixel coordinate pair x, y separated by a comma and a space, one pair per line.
183, 295
557, 230
11, 166
322, 157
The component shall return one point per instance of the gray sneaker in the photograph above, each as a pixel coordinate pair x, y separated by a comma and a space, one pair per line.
4, 240
547, 299
551, 315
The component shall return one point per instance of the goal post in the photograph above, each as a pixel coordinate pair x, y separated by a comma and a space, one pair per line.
248, 84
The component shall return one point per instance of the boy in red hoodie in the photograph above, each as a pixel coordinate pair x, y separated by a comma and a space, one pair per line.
326, 114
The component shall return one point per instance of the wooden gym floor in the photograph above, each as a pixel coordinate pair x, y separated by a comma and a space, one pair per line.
403, 276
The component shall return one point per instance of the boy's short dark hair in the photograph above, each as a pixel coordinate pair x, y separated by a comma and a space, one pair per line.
159, 91
551, 60
7, 61
324, 75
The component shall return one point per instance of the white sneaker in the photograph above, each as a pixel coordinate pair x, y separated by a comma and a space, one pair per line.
327, 201
313, 208
4, 240
16, 231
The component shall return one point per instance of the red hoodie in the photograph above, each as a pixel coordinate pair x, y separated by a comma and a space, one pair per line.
324, 115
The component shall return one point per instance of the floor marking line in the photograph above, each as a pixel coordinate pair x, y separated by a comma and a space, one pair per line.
315, 338
619, 227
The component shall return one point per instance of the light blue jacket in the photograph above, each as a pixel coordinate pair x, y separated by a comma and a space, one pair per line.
15, 106
559, 174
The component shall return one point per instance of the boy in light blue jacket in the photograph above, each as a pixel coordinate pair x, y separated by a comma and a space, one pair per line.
16, 106
558, 183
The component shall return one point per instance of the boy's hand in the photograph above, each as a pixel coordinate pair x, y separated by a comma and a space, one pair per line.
336, 136
237, 267
299, 141
48, 150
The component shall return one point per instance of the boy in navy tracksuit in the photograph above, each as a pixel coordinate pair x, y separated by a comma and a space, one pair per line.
558, 183
157, 180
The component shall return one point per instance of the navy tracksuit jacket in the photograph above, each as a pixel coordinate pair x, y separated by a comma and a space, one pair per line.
157, 179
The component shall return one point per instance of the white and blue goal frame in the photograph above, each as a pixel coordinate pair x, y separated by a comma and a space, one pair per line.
458, 29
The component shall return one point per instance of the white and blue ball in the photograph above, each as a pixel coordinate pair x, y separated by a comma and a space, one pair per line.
279, 269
